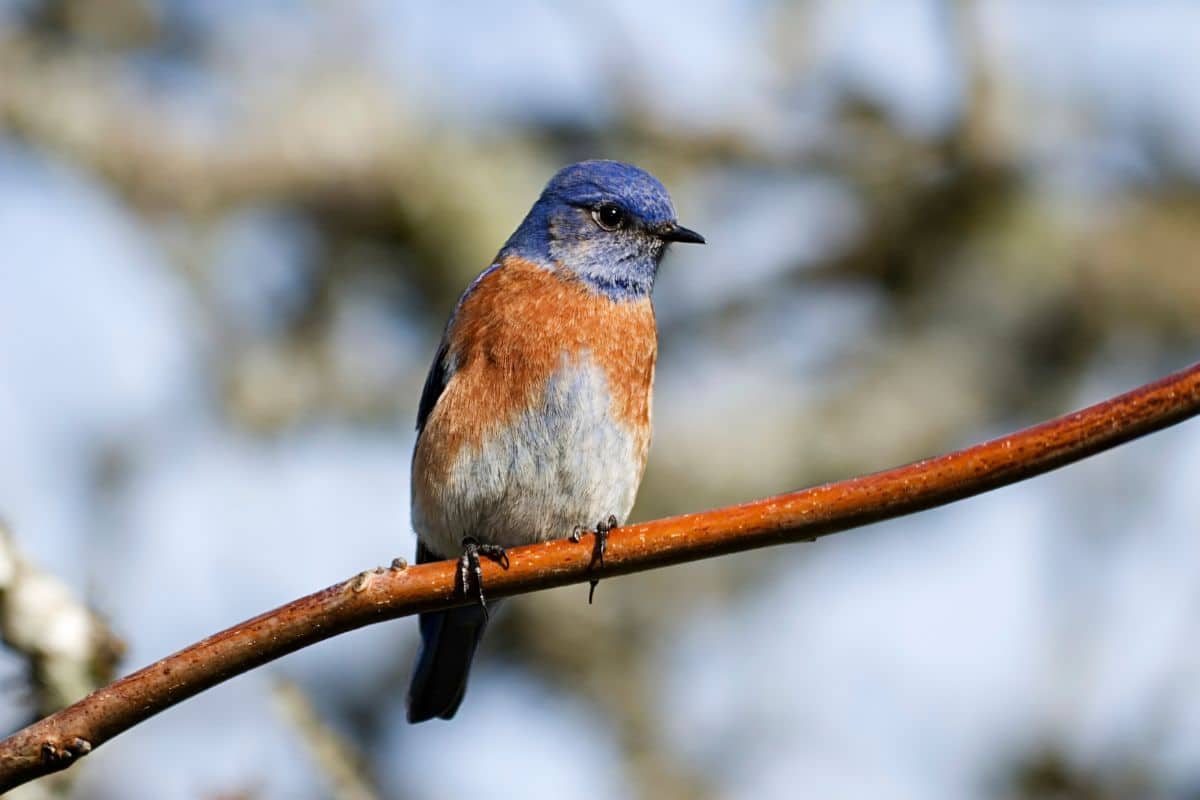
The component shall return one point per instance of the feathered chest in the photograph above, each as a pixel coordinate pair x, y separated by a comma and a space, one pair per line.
519, 326
546, 407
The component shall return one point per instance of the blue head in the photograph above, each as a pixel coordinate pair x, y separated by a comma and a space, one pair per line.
607, 222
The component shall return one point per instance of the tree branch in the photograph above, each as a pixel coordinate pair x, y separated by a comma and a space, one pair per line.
57, 741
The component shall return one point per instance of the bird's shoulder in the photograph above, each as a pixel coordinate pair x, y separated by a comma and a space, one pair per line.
442, 367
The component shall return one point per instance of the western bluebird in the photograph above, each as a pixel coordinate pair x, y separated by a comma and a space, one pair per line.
535, 417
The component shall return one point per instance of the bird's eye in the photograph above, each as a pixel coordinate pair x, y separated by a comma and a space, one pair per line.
609, 216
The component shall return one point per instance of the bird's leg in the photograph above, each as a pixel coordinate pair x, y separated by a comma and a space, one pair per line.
468, 564
602, 530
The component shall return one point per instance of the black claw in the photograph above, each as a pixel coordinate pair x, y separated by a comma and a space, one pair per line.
496, 553
468, 564
603, 529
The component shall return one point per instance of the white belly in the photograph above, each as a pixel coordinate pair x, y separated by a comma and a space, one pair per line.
563, 463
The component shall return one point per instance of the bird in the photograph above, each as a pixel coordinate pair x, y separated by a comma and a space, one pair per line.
534, 421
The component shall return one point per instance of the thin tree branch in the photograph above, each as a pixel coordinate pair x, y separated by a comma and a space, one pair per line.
59, 740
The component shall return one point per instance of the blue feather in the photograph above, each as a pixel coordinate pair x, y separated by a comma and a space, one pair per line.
560, 231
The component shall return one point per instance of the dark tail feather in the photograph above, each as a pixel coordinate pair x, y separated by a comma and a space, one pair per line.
448, 642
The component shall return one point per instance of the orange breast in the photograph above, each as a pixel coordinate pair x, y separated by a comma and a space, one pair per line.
509, 336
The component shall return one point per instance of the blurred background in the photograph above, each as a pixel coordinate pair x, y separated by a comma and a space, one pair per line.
230, 234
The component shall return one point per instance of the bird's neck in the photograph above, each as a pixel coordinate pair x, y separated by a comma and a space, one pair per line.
617, 276
622, 285
531, 240
613, 267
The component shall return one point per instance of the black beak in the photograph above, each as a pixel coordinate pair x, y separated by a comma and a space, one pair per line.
674, 232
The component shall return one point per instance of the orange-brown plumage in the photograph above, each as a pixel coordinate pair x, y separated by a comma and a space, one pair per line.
510, 334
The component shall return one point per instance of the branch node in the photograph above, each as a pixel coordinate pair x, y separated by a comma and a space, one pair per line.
361, 581
53, 753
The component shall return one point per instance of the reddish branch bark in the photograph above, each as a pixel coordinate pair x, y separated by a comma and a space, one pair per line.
59, 740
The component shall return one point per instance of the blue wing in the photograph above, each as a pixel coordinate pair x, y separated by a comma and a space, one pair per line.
435, 384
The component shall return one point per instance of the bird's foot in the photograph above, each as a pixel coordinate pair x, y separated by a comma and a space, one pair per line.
468, 564
602, 530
